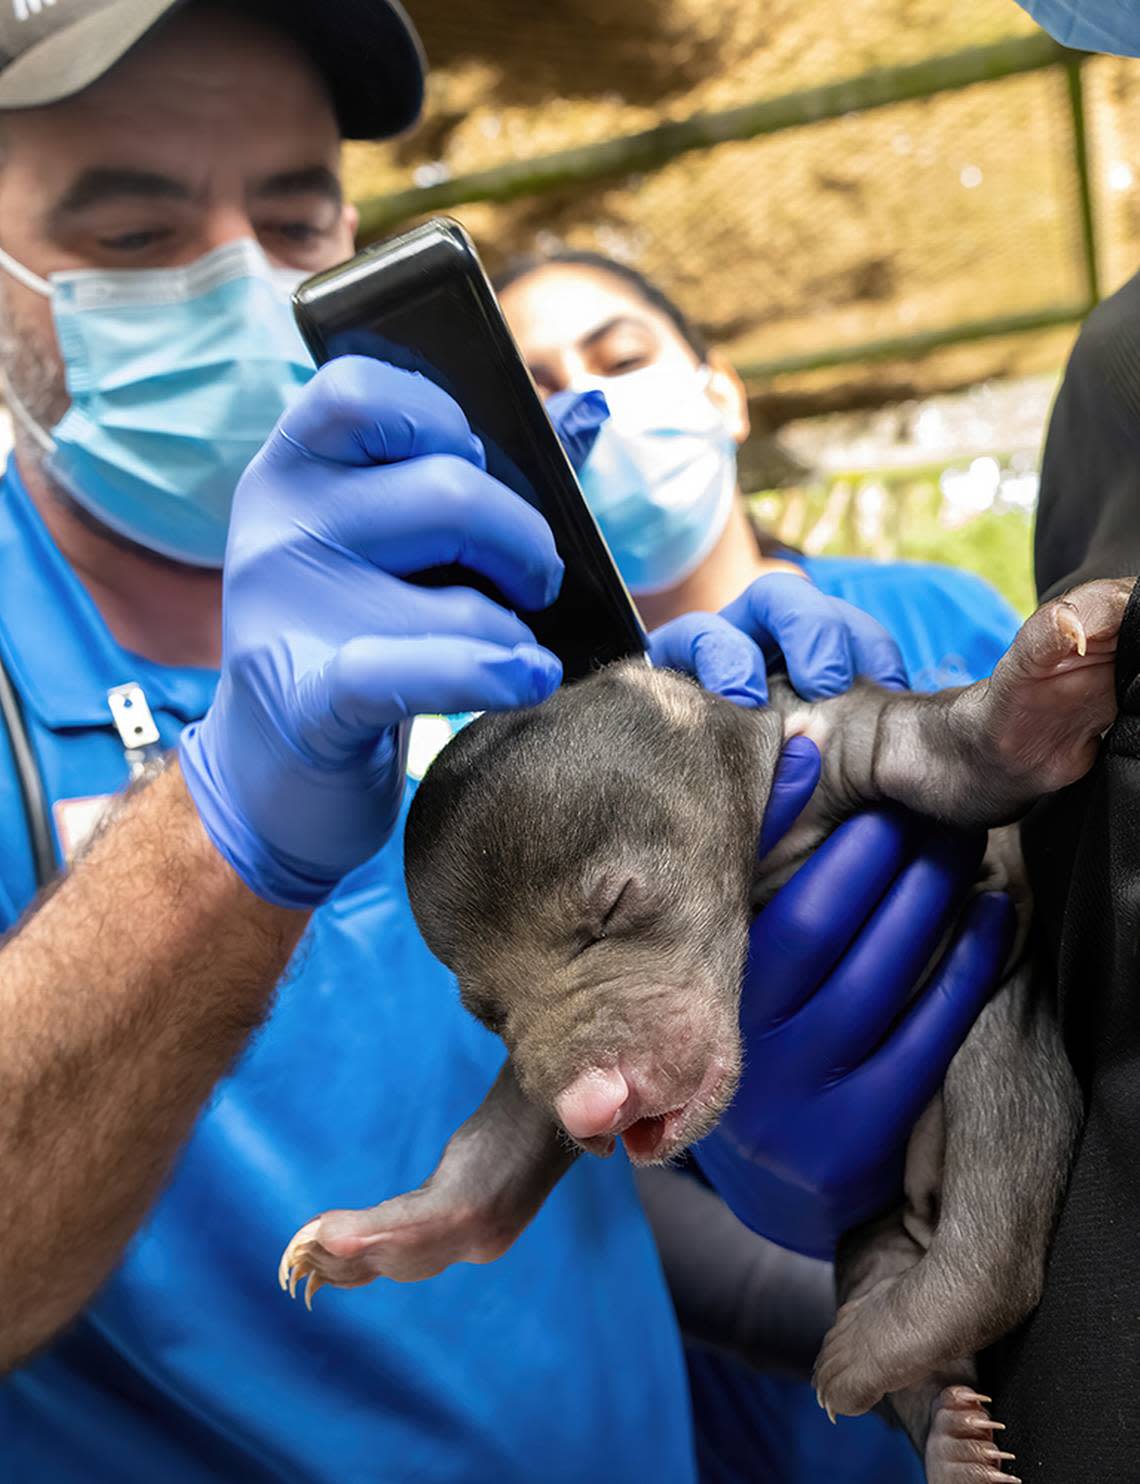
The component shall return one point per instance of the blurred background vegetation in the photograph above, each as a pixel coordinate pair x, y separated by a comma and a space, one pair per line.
891, 214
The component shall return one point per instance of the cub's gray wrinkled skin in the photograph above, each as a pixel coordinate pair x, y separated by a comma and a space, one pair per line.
587, 869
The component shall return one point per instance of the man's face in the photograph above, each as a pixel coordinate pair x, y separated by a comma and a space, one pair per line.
214, 129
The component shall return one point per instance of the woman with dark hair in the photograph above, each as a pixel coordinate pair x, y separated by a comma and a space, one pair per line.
662, 477
661, 481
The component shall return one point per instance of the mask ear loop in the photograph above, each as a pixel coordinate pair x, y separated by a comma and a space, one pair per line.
30, 280
23, 416
38, 285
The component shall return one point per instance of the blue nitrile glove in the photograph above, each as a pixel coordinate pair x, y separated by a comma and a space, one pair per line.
298, 767
838, 1061
838, 1064
823, 642
577, 416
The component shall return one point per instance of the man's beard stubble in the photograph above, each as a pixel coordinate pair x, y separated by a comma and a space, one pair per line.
32, 381
33, 386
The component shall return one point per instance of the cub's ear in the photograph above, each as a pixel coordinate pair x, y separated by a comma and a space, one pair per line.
749, 740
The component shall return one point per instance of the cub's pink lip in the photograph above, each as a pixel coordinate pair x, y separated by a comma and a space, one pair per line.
649, 1139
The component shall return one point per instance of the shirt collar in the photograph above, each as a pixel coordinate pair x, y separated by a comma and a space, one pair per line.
61, 654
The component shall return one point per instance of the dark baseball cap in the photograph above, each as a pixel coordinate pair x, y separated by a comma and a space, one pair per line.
367, 50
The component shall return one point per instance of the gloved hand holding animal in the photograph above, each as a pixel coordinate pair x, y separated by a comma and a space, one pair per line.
588, 869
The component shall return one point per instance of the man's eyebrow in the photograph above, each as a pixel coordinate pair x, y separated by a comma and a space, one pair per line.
618, 322
114, 183
316, 180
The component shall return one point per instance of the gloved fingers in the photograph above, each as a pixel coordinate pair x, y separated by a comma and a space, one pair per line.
433, 511
797, 774
911, 1065
853, 1012
577, 416
799, 937
357, 410
786, 614
721, 657
876, 654
455, 610
375, 681
814, 634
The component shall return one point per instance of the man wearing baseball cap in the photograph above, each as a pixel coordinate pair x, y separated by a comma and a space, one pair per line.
168, 172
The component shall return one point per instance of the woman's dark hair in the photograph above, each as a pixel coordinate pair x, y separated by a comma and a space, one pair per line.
645, 289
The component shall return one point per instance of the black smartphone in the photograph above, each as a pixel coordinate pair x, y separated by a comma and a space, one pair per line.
422, 301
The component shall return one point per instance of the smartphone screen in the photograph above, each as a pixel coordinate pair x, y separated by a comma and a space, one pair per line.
422, 302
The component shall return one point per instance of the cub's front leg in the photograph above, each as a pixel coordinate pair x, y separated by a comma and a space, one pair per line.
493, 1176
982, 755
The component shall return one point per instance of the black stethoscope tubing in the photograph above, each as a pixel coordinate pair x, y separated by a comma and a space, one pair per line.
29, 780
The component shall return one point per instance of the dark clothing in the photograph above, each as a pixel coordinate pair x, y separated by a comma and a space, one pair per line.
1088, 517
1065, 1385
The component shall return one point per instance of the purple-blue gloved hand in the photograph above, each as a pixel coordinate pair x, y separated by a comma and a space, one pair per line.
839, 1059
823, 642
297, 769
577, 416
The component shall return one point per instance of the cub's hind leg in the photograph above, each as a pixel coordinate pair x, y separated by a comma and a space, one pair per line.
1011, 1117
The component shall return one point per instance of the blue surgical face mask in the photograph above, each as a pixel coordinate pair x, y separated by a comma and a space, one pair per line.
661, 478
176, 378
1090, 25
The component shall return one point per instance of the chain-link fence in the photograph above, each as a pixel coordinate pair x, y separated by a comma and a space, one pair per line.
893, 250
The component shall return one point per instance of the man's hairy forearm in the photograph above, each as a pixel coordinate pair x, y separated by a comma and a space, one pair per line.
123, 999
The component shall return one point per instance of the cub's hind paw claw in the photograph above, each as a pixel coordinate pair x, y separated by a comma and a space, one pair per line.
960, 1448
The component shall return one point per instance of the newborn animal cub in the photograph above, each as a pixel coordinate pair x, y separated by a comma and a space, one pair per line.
588, 870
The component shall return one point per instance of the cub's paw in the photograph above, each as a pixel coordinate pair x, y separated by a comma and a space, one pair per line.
407, 1239
849, 1375
960, 1448
1053, 694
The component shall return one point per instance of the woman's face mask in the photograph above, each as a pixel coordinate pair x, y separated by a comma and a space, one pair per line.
176, 377
661, 477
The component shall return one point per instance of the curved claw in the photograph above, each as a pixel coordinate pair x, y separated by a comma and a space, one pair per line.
293, 1250
1069, 624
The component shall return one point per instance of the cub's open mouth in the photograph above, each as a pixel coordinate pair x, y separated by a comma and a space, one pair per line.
654, 1138
603, 1105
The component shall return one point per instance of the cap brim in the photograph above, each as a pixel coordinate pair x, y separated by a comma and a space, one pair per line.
367, 51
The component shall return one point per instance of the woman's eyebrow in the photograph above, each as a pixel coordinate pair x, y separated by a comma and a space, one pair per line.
616, 322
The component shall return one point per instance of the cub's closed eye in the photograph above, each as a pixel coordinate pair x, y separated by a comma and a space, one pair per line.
616, 902
627, 892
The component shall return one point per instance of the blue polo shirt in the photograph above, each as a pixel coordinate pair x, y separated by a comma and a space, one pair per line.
952, 628
560, 1363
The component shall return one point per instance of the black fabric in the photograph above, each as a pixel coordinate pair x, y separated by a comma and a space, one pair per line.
1066, 1384
1088, 517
